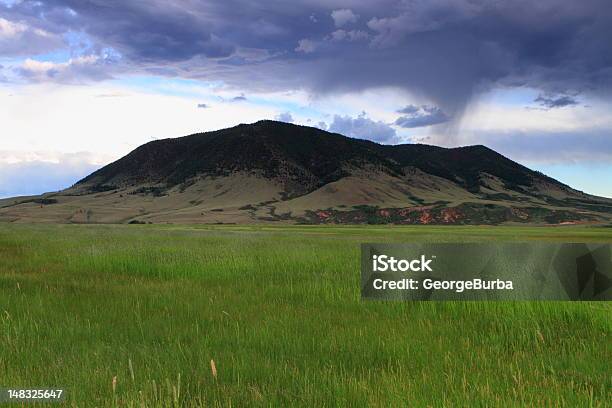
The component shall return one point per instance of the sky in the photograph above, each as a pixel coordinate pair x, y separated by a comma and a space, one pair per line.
84, 82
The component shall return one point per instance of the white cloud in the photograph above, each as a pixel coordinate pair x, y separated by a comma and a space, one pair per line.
363, 127
55, 117
285, 117
73, 70
352, 35
17, 38
343, 17
9, 30
491, 117
306, 46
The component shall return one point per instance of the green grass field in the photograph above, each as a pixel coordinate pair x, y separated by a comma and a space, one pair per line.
279, 312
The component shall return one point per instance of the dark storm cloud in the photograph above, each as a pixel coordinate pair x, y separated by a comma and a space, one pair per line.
150, 31
560, 101
419, 116
443, 51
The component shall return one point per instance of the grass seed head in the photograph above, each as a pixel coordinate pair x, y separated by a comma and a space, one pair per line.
213, 369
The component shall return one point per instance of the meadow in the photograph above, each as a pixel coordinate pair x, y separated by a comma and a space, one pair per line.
132, 315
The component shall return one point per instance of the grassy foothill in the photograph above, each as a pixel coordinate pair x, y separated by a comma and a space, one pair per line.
133, 315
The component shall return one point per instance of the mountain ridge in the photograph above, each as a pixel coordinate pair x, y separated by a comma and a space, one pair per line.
261, 150
309, 175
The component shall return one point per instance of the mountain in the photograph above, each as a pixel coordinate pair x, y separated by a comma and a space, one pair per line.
278, 172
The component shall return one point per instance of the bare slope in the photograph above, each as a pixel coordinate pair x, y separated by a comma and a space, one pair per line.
278, 172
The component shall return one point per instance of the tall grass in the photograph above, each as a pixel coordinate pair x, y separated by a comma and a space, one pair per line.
270, 316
